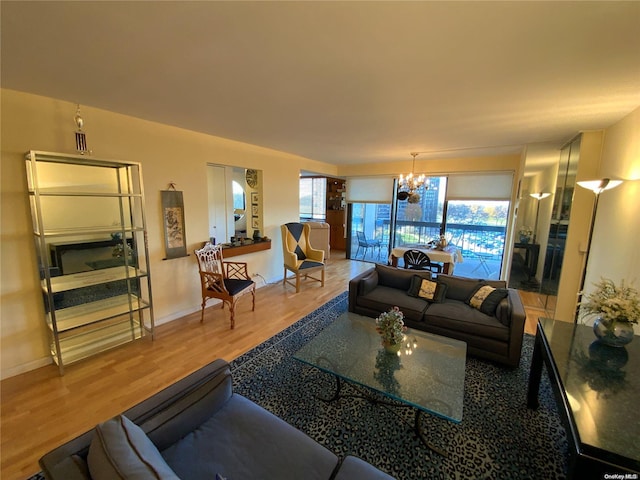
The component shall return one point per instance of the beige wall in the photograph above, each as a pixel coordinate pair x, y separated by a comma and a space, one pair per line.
614, 250
167, 154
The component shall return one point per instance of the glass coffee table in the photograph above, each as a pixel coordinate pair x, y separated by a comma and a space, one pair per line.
427, 374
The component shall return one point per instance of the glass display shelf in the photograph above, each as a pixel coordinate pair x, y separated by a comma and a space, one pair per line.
88, 313
88, 343
93, 277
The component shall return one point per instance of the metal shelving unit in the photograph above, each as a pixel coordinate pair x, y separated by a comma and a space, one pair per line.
103, 299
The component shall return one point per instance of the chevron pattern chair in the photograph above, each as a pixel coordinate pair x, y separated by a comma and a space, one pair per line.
300, 258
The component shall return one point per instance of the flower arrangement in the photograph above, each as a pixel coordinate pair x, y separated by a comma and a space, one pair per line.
526, 231
390, 326
613, 303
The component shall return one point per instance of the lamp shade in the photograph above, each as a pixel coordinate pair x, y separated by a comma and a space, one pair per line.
599, 186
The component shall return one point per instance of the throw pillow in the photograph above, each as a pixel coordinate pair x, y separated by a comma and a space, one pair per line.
121, 449
427, 289
486, 298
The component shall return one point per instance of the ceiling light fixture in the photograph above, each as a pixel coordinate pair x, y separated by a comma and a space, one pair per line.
407, 185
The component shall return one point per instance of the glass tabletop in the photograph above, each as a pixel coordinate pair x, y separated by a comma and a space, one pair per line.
428, 372
601, 384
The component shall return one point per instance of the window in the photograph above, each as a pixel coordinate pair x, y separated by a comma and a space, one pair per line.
471, 210
238, 196
478, 229
313, 198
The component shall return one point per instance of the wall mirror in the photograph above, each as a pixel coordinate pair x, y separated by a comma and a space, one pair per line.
537, 264
235, 203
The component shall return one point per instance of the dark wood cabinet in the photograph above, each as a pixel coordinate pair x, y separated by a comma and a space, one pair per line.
336, 212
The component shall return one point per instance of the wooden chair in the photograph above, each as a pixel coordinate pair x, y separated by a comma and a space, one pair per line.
418, 260
226, 281
300, 257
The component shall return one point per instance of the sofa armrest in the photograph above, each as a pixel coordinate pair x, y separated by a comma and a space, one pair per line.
516, 327
164, 417
354, 286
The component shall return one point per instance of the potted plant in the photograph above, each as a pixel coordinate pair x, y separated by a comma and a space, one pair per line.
617, 308
390, 326
525, 234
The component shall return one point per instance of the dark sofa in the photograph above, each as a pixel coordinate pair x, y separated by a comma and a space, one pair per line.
198, 428
496, 336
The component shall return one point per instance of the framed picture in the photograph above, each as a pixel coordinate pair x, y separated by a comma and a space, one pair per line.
255, 198
255, 222
173, 220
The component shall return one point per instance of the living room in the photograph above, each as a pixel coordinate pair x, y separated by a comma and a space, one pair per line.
172, 153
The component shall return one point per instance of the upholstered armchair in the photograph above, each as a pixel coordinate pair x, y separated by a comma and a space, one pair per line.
226, 281
300, 258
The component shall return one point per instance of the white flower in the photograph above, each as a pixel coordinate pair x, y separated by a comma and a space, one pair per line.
390, 326
611, 302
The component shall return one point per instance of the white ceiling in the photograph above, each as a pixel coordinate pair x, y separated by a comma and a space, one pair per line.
339, 82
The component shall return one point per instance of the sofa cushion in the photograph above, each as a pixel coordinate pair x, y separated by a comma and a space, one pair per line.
397, 277
486, 298
120, 449
430, 290
461, 288
381, 298
189, 408
245, 441
458, 316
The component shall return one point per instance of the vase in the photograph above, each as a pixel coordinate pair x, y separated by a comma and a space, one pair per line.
613, 333
393, 348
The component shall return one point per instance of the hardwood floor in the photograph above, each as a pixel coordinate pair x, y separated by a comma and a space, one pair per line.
41, 410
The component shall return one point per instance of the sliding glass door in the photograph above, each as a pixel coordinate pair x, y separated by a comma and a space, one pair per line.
478, 229
470, 210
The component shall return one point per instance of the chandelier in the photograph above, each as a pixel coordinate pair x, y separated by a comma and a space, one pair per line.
407, 185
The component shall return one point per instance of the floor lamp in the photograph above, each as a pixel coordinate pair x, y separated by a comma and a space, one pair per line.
538, 197
597, 187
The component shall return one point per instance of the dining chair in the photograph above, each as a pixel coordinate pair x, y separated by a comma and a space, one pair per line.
364, 243
418, 260
226, 281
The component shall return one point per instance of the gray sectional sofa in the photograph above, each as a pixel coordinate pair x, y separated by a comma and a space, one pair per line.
195, 429
494, 333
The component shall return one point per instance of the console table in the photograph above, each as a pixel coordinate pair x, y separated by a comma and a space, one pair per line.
596, 389
532, 252
235, 250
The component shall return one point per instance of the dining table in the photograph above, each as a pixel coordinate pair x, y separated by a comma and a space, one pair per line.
448, 256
